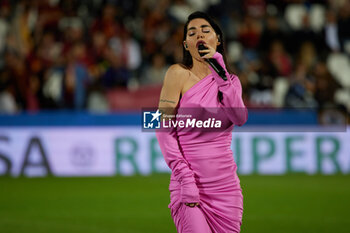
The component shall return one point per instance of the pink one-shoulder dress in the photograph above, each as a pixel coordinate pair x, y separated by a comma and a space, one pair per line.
202, 164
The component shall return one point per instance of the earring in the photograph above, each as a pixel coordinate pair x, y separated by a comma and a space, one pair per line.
186, 46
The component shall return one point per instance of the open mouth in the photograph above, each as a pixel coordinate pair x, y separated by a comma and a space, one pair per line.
200, 42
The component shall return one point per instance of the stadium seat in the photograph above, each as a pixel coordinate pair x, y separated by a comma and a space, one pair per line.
342, 96
294, 15
124, 99
317, 17
235, 51
280, 88
53, 86
339, 66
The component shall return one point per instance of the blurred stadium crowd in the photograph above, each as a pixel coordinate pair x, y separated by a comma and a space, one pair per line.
69, 54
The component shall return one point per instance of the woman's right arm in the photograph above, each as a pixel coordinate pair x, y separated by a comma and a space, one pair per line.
169, 98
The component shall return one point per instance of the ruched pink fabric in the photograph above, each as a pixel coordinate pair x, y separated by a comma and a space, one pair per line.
202, 164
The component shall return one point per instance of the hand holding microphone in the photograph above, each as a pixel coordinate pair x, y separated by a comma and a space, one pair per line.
206, 52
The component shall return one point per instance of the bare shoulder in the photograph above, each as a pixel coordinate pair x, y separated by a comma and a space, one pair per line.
173, 83
177, 69
176, 74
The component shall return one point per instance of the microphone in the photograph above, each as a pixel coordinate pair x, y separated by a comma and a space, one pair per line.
213, 63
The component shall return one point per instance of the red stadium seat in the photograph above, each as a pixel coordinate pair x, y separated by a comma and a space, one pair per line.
124, 99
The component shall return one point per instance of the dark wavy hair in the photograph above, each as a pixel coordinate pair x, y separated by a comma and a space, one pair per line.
186, 56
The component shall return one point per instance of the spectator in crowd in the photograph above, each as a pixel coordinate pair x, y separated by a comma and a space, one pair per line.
127, 49
107, 22
325, 85
344, 23
279, 59
301, 90
307, 55
155, 73
271, 32
331, 32
75, 78
4, 28
250, 32
116, 75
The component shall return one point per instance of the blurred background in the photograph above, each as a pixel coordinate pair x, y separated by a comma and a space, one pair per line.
100, 55
75, 75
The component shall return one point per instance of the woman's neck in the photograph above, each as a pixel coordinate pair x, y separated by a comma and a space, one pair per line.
200, 68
